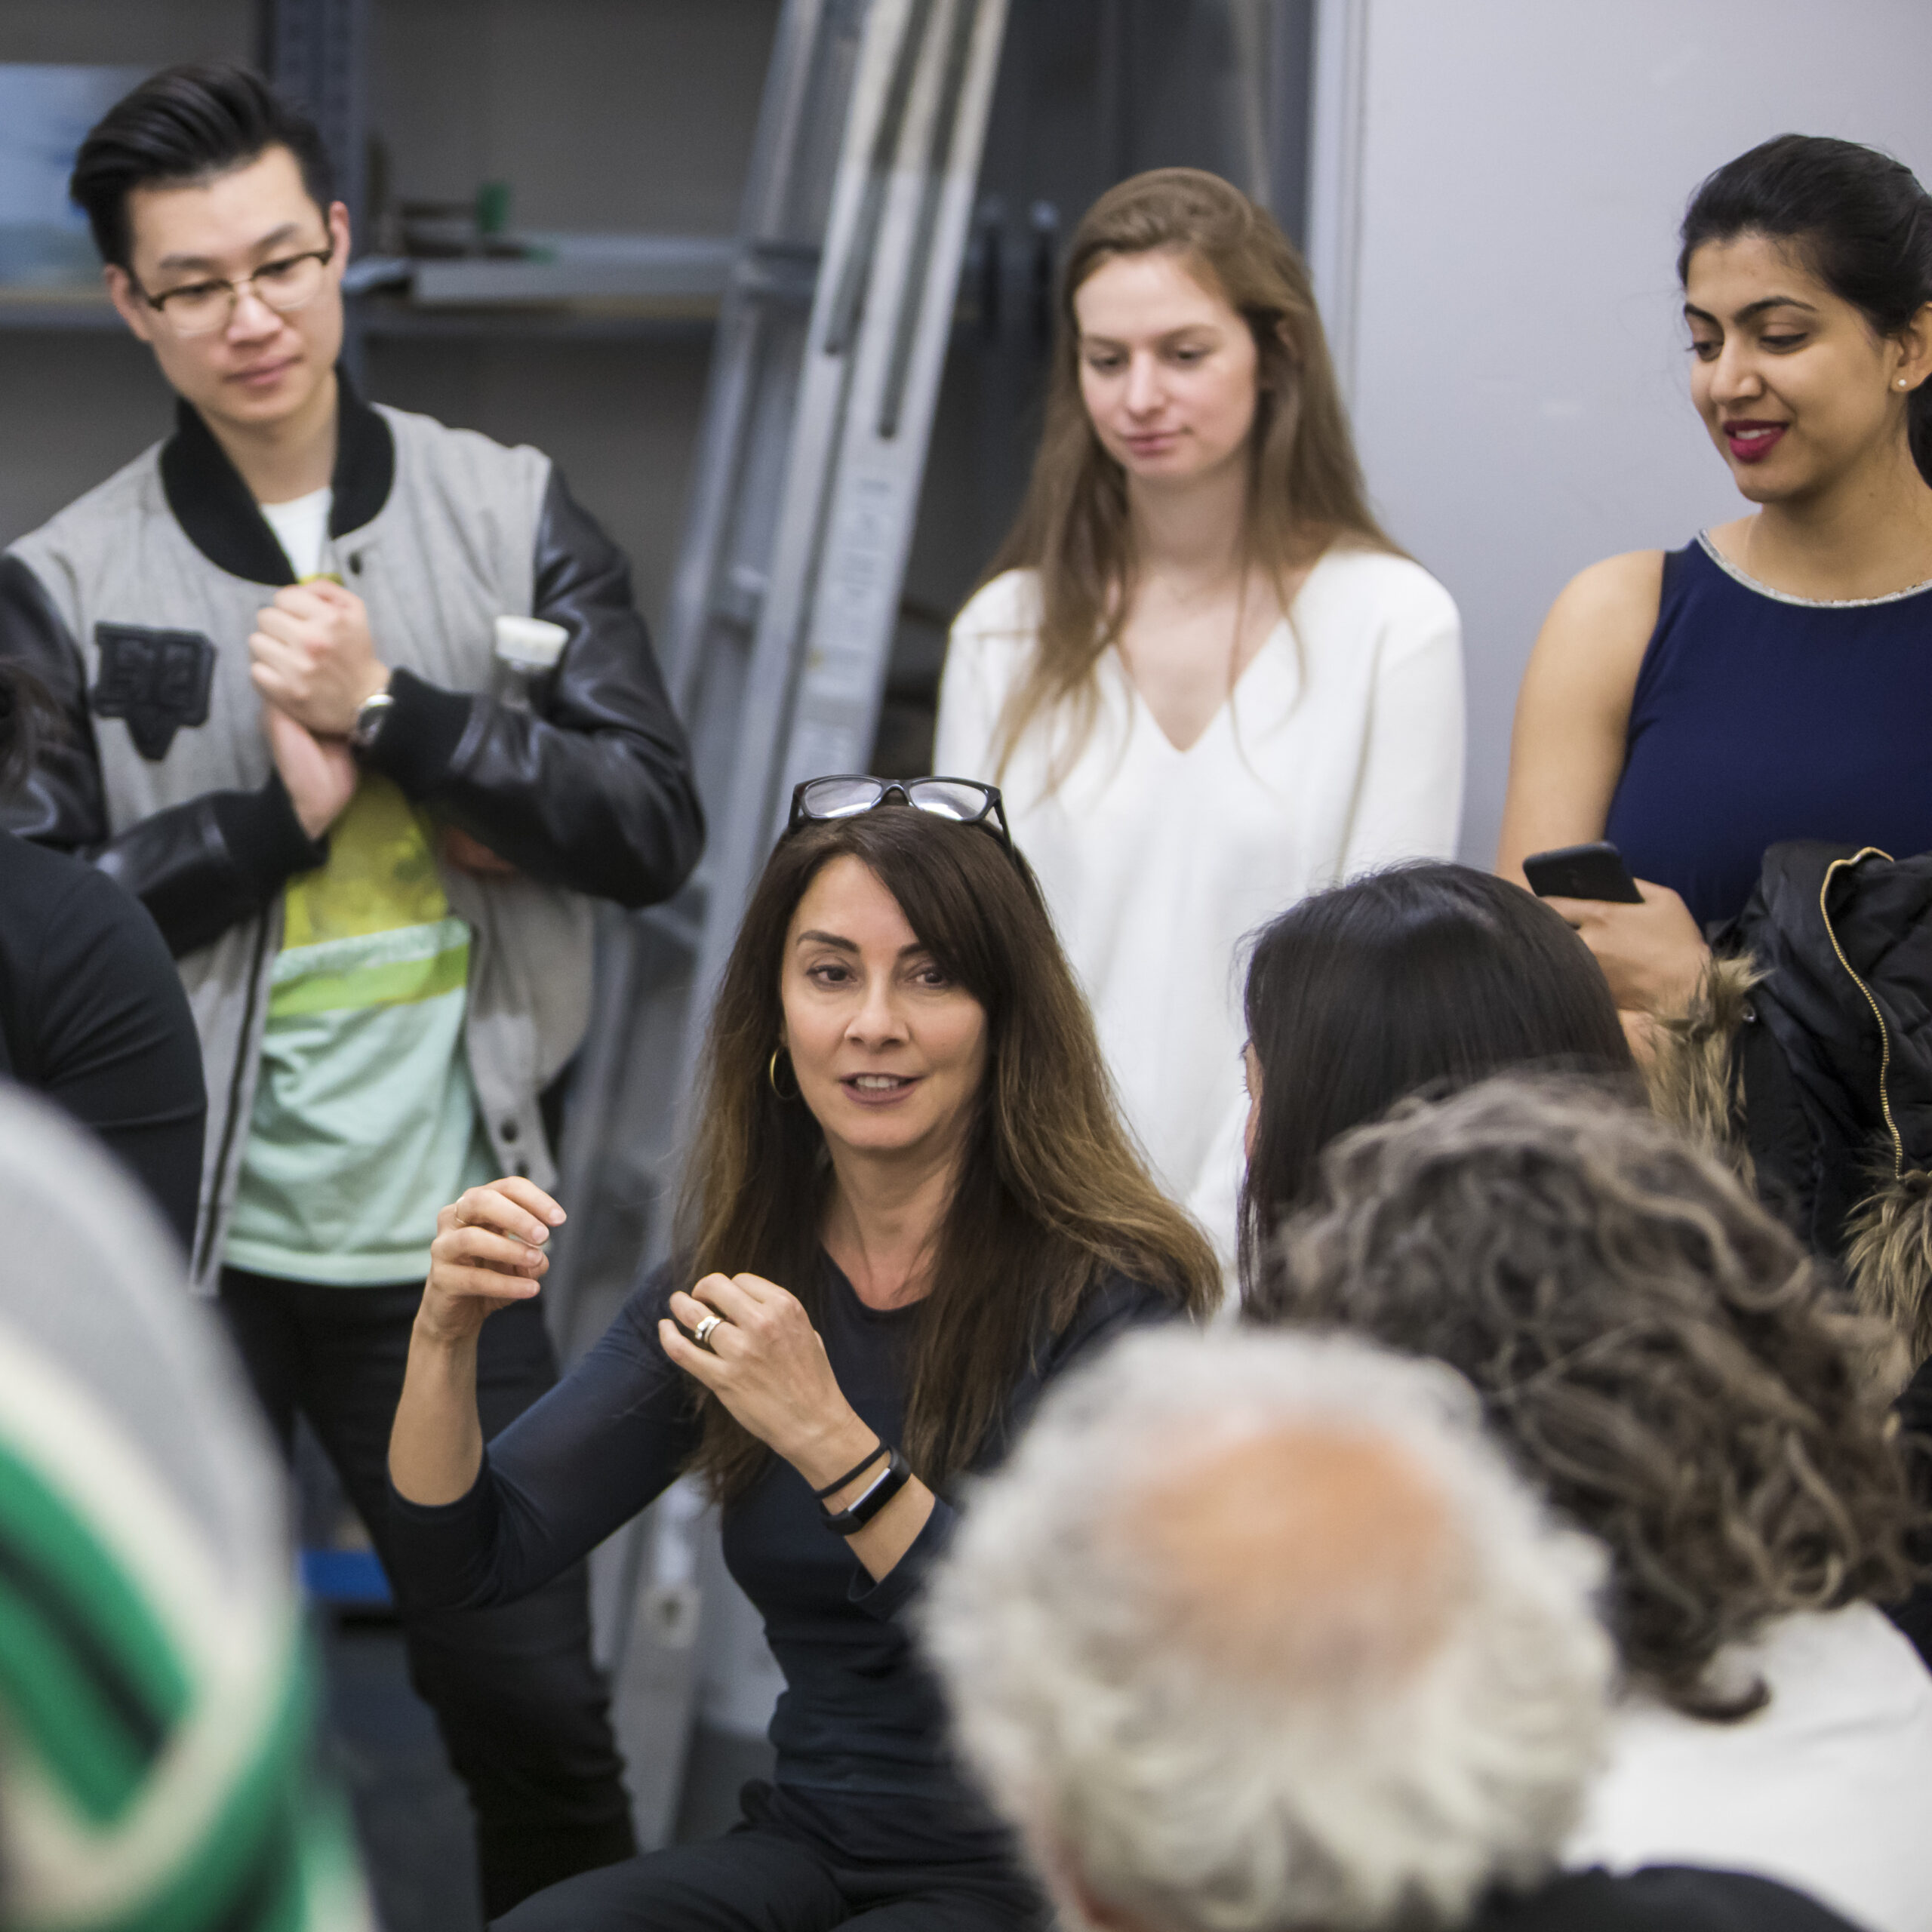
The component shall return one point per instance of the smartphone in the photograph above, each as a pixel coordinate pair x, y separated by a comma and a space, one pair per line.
1582, 872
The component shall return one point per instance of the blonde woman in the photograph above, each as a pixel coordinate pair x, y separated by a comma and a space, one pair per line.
1205, 679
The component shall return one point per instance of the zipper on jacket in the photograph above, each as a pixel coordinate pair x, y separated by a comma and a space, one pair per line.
206, 1241
1884, 1038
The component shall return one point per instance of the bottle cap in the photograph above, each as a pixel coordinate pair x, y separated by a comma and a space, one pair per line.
530, 643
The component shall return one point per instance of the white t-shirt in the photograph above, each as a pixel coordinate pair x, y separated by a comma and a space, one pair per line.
1341, 748
301, 527
1828, 1787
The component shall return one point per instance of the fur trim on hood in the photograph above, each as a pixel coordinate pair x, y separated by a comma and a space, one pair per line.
1695, 1078
1888, 1258
1691, 1068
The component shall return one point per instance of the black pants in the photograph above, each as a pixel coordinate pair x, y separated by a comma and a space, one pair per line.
523, 1711
760, 1878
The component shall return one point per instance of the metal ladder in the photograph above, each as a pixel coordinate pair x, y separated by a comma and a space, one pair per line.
824, 375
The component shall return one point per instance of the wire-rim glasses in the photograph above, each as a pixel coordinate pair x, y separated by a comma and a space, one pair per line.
846, 795
202, 308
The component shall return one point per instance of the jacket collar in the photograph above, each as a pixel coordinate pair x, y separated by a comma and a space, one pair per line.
213, 507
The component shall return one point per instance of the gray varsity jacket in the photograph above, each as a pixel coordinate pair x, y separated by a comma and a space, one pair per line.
133, 605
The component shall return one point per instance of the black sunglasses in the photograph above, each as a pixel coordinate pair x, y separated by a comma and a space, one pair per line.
964, 801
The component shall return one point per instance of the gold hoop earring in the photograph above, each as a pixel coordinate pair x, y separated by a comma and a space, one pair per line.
771, 1074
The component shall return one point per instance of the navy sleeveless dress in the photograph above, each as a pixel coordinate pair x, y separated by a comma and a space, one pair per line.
1759, 717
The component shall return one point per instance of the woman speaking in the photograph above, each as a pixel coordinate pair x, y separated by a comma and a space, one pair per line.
910, 1204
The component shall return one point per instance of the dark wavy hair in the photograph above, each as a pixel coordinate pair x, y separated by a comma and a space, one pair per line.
186, 124
1665, 1359
1858, 219
1421, 977
1052, 1196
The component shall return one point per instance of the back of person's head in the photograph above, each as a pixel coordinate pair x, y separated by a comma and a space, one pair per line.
1304, 482
186, 125
155, 1766
1420, 976
1856, 219
1255, 1633
1666, 1359
1052, 1193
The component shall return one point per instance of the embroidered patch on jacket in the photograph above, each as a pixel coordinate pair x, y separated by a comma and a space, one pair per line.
158, 681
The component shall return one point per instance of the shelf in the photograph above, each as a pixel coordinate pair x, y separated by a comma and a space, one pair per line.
583, 288
33, 306
387, 318
62, 311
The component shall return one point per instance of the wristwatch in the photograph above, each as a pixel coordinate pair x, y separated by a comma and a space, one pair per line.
369, 716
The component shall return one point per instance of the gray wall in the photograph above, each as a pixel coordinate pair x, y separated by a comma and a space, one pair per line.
1519, 362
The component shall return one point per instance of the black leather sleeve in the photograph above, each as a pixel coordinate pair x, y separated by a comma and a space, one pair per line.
199, 868
594, 791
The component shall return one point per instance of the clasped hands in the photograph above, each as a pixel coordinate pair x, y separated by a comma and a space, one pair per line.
314, 665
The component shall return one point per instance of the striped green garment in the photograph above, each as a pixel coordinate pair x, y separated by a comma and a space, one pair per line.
156, 1684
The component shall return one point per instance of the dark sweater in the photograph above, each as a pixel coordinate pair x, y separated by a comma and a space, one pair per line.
862, 1767
1660, 1898
93, 1015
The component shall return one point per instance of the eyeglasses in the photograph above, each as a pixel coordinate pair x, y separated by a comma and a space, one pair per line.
200, 308
964, 801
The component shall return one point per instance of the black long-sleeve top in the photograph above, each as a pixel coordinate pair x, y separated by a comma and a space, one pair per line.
93, 1015
859, 1730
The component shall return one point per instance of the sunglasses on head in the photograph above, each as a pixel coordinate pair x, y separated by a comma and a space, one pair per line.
964, 801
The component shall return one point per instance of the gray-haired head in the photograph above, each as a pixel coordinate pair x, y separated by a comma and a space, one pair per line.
1256, 1633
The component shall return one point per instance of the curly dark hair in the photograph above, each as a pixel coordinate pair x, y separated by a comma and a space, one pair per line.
1666, 1360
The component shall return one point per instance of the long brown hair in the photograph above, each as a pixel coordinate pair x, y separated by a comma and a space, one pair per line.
1051, 1195
1305, 487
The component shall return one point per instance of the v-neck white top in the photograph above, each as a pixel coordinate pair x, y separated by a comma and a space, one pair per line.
1340, 750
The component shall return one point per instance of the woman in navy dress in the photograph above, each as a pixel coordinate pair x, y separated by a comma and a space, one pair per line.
1773, 679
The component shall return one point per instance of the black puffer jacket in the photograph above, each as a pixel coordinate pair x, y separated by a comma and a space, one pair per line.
1835, 1063
1807, 1058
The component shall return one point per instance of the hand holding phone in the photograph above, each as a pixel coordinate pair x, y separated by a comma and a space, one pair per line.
1595, 871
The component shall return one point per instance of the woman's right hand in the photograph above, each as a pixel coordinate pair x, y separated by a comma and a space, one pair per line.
488, 1251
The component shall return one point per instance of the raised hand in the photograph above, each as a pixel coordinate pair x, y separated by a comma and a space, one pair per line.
766, 1364
488, 1252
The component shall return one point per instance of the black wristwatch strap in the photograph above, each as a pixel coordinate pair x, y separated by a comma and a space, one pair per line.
848, 1522
857, 1469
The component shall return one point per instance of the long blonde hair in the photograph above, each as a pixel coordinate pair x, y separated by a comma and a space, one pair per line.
1304, 488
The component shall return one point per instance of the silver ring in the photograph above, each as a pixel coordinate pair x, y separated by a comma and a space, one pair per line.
703, 1333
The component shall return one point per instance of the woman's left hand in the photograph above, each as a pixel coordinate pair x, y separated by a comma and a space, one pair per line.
1652, 954
765, 1362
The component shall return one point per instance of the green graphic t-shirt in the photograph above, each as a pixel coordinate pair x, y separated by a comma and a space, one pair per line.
365, 1120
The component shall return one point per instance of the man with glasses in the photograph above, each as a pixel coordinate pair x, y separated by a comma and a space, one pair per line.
273, 639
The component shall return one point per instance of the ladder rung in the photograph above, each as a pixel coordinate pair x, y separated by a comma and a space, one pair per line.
777, 272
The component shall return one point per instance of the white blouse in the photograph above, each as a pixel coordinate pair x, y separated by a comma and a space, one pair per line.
1340, 749
1828, 1787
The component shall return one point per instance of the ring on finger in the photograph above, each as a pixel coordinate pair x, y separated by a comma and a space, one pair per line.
704, 1332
